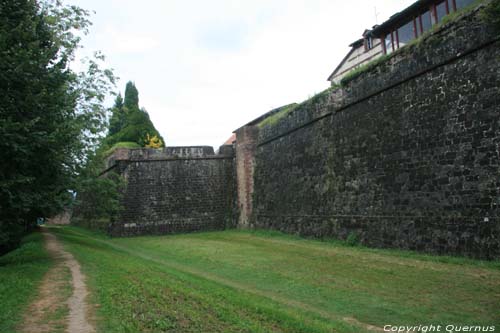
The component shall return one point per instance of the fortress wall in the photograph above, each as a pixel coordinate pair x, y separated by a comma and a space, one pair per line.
175, 189
405, 156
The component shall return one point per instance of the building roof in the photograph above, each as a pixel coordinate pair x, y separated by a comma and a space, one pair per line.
353, 47
382, 29
401, 17
231, 139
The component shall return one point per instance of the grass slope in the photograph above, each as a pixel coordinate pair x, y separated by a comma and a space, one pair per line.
20, 273
236, 281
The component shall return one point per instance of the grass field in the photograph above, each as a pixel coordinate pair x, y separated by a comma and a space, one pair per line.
236, 281
20, 273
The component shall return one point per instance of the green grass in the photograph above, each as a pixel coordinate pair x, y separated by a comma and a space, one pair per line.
365, 68
237, 281
273, 119
121, 145
20, 273
317, 98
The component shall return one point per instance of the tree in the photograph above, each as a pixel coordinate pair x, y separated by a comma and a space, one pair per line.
98, 199
117, 120
131, 96
129, 123
50, 116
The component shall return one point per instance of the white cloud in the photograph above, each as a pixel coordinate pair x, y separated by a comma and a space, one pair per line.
127, 42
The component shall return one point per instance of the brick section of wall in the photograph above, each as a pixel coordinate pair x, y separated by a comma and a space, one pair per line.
176, 189
246, 145
406, 156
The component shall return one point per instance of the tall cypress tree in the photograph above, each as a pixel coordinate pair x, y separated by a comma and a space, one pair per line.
131, 96
129, 123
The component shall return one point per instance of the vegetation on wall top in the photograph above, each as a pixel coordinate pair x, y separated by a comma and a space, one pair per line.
284, 111
491, 14
129, 123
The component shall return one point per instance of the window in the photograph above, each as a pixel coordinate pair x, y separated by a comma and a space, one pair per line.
405, 34
388, 43
441, 11
426, 21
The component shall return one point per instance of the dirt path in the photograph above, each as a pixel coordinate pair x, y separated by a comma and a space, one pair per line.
61, 305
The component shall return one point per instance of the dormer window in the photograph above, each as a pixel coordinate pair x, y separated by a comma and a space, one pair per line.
368, 43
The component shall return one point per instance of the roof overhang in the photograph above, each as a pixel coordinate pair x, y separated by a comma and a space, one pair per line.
401, 17
343, 61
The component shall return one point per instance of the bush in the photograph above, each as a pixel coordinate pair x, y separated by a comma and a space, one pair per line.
352, 239
120, 145
10, 236
98, 201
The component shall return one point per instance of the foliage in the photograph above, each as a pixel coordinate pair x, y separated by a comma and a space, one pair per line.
50, 115
98, 198
20, 273
364, 68
128, 122
491, 14
276, 116
239, 281
120, 145
321, 97
352, 239
153, 141
131, 96
282, 112
117, 120
98, 202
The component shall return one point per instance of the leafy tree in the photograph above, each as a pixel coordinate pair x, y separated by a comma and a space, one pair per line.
50, 116
98, 200
117, 120
129, 123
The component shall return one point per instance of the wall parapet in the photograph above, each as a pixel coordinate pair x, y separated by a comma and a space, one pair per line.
167, 153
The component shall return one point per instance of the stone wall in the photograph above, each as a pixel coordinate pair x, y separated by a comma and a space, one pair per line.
175, 189
406, 155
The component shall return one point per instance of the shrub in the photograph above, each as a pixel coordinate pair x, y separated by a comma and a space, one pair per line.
98, 201
352, 239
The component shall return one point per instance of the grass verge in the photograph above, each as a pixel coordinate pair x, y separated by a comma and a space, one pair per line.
20, 273
236, 281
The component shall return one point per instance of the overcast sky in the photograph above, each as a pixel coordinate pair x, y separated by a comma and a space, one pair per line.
204, 68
